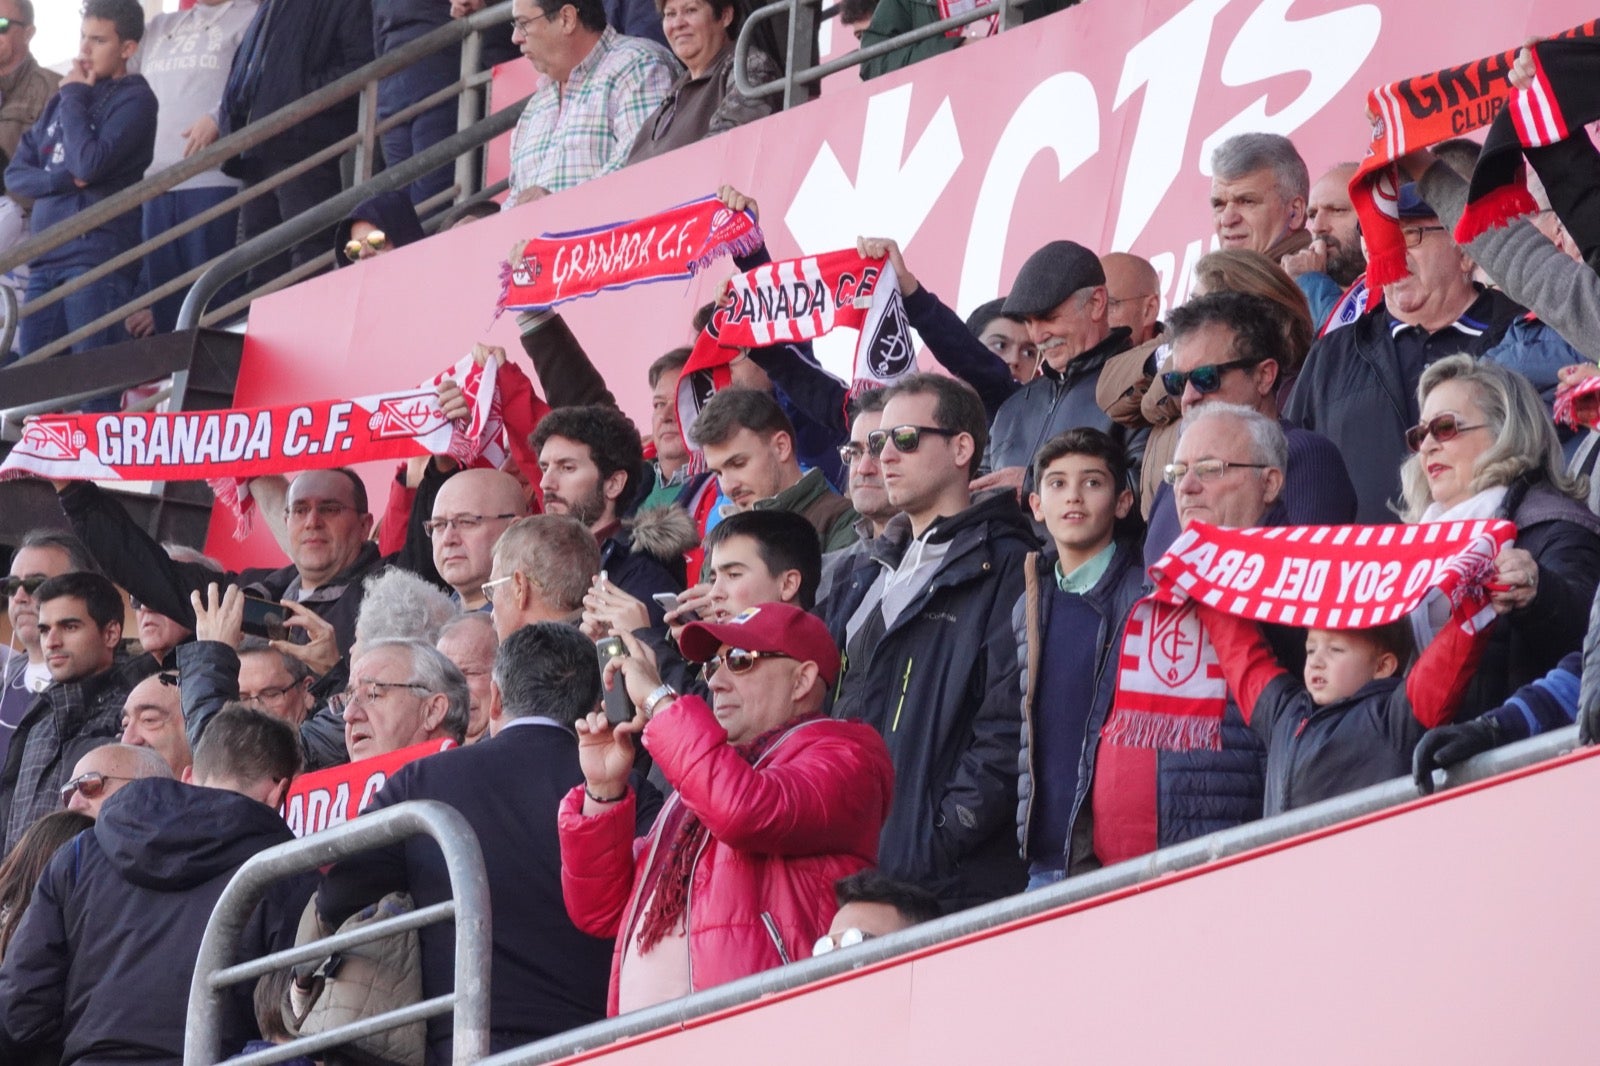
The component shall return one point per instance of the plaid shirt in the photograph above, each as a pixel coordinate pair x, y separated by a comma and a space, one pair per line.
570, 134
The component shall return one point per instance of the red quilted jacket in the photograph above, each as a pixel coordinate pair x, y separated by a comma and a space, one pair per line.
781, 833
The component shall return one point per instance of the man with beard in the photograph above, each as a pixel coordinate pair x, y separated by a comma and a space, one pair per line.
1335, 249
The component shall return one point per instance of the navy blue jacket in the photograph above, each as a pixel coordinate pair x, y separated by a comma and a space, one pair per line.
391, 212
103, 135
103, 958
951, 343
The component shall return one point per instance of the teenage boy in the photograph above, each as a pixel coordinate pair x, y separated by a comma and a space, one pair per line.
1357, 717
96, 137
1076, 598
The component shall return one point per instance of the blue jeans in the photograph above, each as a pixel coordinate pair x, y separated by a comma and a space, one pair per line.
73, 313
423, 131
1042, 876
189, 251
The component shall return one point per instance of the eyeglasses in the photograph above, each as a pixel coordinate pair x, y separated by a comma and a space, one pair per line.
521, 25
1112, 301
844, 938
463, 523
738, 661
1414, 234
907, 439
376, 241
326, 510
90, 784
1442, 428
1205, 379
489, 587
29, 584
6, 24
850, 454
1205, 470
268, 695
373, 691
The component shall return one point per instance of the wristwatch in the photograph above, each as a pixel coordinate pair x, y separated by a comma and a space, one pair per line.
659, 697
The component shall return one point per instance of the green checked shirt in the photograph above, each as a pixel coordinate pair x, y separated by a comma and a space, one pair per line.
587, 127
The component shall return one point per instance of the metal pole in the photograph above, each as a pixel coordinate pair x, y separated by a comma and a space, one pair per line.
468, 110
366, 134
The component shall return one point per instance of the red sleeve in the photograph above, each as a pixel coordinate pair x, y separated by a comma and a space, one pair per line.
596, 863
396, 514
1437, 682
1246, 658
523, 409
830, 795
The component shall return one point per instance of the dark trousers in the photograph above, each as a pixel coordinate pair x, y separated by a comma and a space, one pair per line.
189, 251
317, 185
425, 130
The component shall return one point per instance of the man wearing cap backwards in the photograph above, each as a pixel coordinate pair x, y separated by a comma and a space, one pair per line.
1358, 386
774, 803
1061, 294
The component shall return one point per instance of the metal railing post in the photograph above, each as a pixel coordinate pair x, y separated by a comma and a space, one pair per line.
367, 129
469, 108
802, 27
468, 906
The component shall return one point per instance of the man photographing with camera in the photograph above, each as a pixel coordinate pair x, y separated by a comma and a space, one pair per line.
774, 802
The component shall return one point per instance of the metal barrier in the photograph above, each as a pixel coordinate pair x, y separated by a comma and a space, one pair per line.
469, 907
803, 19
363, 83
694, 1010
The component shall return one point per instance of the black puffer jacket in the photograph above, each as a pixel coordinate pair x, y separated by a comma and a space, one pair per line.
941, 685
102, 961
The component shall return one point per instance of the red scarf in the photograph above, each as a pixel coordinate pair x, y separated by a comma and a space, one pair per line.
229, 445
675, 244
798, 300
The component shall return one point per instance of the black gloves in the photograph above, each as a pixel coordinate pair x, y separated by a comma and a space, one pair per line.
1444, 747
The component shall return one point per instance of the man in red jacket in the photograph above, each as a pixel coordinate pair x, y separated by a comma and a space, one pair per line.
774, 803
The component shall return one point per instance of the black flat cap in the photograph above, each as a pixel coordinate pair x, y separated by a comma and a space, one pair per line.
1050, 275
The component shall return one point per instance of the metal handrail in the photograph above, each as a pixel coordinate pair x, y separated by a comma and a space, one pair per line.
695, 1009
800, 15
468, 906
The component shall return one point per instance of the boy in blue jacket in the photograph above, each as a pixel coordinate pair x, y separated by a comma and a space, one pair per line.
95, 138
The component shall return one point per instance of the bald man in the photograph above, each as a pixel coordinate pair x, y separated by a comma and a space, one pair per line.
1335, 248
152, 718
471, 511
1133, 289
104, 771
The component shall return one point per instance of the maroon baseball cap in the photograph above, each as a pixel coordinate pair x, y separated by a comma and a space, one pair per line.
770, 627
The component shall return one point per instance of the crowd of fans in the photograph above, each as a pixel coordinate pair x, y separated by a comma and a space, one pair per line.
868, 651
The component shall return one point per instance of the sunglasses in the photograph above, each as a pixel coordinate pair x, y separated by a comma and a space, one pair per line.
1442, 428
907, 439
738, 661
845, 938
1205, 379
376, 241
91, 784
29, 584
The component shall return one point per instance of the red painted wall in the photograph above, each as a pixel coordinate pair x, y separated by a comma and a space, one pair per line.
1093, 124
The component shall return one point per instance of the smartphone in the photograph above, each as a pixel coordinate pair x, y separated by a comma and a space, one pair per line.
667, 601
264, 618
619, 708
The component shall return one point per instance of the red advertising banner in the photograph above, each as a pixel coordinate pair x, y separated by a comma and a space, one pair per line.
326, 798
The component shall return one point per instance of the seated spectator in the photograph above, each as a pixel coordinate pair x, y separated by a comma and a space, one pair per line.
774, 803
469, 641
1335, 249
291, 49
591, 467
402, 692
873, 905
1061, 293
1076, 598
1359, 383
470, 512
925, 619
1485, 448
891, 18
104, 771
704, 101
582, 122
1006, 336
152, 719
856, 16
749, 445
1359, 713
80, 633
1228, 471
545, 976
95, 138
376, 225
326, 522
399, 605
150, 872
271, 992
185, 56
20, 871
543, 565
1229, 347
41, 554
1133, 295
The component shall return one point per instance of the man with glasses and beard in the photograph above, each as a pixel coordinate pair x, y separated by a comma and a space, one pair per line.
1228, 347
774, 802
